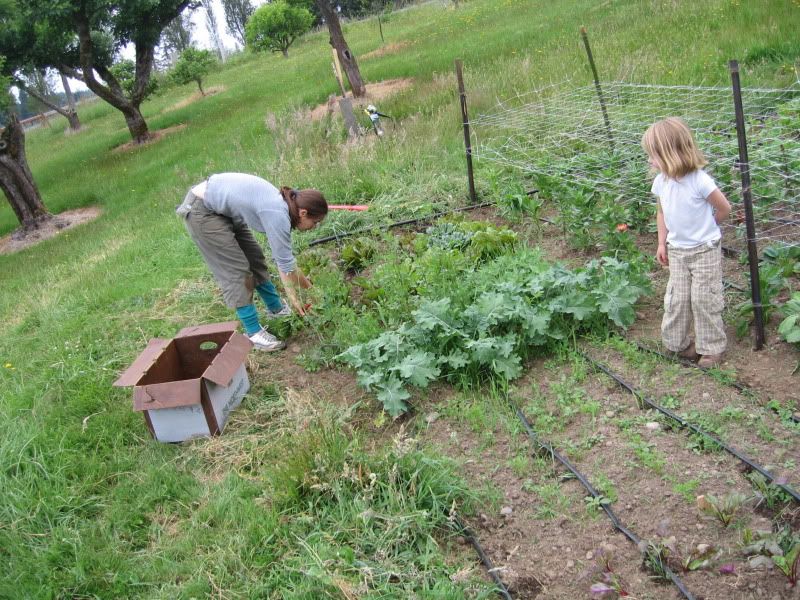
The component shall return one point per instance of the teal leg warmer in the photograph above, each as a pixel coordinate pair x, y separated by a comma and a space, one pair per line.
270, 296
249, 318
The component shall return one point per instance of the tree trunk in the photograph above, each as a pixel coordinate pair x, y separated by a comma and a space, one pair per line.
285, 52
67, 92
16, 179
70, 115
200, 86
346, 58
112, 92
136, 124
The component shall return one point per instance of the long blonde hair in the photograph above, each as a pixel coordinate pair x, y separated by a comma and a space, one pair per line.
670, 143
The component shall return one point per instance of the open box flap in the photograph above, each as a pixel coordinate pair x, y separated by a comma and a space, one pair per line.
227, 362
171, 394
143, 362
211, 328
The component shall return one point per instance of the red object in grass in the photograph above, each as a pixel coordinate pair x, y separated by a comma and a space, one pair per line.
622, 227
348, 206
307, 307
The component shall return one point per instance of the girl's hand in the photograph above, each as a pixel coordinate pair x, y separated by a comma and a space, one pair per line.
661, 255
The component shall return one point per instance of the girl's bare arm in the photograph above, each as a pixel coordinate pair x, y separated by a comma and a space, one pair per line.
722, 208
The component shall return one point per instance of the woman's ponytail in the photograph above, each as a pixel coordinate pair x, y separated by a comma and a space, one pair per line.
312, 201
290, 197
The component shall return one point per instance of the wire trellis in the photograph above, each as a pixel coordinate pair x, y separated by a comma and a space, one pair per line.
560, 132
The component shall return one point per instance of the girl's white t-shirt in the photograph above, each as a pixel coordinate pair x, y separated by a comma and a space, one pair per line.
688, 215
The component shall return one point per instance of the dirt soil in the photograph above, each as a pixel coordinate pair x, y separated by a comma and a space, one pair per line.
387, 49
155, 136
17, 240
375, 92
195, 97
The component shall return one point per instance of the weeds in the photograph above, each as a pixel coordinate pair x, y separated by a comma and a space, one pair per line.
767, 493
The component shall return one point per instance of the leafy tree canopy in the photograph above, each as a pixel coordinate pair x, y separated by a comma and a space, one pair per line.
193, 65
275, 26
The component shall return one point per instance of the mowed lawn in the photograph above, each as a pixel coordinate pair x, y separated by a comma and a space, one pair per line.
90, 507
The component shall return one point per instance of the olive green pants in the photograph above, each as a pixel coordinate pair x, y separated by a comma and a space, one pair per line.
229, 249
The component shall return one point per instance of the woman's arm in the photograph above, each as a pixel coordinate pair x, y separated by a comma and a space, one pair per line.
291, 282
721, 206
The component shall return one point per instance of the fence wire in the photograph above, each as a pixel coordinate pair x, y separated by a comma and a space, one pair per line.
560, 132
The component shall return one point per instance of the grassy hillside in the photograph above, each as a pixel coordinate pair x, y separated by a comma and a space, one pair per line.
89, 507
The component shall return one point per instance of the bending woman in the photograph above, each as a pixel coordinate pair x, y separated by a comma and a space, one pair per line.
220, 214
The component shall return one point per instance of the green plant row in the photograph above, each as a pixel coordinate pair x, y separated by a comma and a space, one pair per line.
520, 303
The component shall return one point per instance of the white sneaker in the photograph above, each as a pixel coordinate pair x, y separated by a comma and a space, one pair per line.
263, 340
284, 312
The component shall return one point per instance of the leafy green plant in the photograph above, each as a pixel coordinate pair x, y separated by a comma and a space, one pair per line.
595, 503
698, 556
783, 547
789, 563
723, 509
448, 235
488, 241
358, 254
790, 326
520, 202
771, 283
517, 303
786, 257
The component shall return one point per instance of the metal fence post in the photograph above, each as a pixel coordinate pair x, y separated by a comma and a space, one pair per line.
465, 120
747, 200
597, 87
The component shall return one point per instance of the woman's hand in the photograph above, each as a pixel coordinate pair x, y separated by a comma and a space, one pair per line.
291, 282
296, 305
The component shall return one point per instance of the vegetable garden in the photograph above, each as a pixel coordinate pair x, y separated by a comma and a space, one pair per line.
474, 303
476, 384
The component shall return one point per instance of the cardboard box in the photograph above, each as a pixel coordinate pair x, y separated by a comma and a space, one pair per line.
187, 386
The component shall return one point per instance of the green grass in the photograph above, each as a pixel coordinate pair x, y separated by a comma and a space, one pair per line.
89, 506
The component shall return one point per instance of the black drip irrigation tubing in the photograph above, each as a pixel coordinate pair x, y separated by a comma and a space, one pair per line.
546, 446
339, 236
502, 590
737, 385
691, 426
688, 363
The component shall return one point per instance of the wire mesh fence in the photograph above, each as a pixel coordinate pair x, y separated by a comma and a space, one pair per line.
559, 132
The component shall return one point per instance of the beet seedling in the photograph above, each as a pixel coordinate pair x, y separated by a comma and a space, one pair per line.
723, 509
607, 583
789, 564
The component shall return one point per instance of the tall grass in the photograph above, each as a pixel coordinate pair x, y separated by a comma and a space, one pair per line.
89, 506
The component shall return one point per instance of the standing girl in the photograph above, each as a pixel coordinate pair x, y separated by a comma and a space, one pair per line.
220, 214
690, 208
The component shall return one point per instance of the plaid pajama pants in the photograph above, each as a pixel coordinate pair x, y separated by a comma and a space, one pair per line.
694, 291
